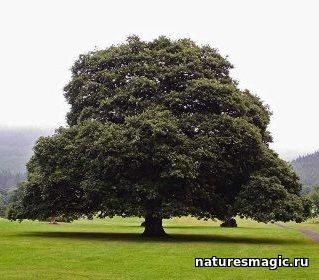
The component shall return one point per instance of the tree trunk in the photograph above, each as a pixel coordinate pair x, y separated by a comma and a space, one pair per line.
53, 221
153, 227
231, 222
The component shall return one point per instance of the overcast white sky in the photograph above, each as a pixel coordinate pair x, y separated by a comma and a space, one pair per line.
272, 44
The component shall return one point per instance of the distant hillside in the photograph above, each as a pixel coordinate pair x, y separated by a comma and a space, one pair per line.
16, 147
15, 150
307, 168
8, 179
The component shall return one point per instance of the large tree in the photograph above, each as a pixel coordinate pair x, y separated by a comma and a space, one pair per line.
160, 129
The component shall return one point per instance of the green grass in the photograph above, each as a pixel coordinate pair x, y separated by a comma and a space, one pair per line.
114, 249
311, 224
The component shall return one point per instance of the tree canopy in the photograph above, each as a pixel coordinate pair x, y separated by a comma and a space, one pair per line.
159, 129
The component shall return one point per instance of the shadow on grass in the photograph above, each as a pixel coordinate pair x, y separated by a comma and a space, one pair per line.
174, 238
211, 227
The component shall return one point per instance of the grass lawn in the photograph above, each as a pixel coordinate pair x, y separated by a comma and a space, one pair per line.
311, 224
114, 249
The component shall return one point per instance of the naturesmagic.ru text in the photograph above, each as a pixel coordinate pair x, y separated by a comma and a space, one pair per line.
271, 263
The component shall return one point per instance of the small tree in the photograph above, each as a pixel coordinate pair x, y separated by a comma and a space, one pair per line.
314, 197
2, 207
159, 129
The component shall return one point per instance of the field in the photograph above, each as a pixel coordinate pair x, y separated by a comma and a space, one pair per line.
311, 224
114, 249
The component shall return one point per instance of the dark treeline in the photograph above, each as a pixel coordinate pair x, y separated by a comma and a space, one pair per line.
15, 151
307, 168
16, 147
7, 196
9, 179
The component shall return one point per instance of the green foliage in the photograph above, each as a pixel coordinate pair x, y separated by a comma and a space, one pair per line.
2, 206
14, 206
8, 198
159, 129
268, 194
313, 195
